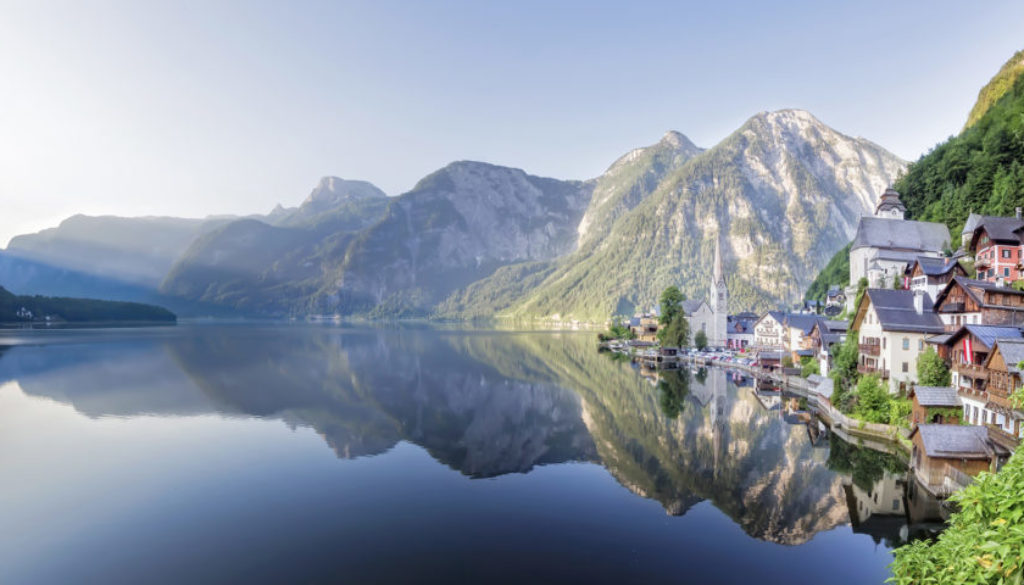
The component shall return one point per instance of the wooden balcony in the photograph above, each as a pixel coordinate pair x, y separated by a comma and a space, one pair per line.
958, 307
869, 349
980, 263
973, 371
867, 370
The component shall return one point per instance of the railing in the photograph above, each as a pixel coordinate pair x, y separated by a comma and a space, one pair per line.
972, 370
953, 480
866, 369
953, 308
870, 348
1001, 437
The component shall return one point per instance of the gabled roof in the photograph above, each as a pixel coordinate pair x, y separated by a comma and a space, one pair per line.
895, 310
779, 316
985, 334
977, 289
1012, 351
972, 222
901, 234
836, 325
803, 322
999, 230
937, 396
954, 441
692, 306
935, 266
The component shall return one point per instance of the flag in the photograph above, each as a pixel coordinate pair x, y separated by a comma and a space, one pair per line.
968, 350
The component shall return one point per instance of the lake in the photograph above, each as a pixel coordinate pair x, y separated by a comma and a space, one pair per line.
326, 454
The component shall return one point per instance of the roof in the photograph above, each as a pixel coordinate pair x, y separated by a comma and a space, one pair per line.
988, 334
804, 322
972, 222
895, 310
1012, 351
954, 441
824, 387
805, 352
977, 289
934, 266
999, 229
691, 307
834, 290
746, 315
901, 234
940, 396
889, 200
836, 325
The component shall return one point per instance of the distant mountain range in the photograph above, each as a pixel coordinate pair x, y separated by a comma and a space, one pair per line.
781, 194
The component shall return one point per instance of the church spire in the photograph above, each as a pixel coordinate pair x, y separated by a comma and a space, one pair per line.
717, 276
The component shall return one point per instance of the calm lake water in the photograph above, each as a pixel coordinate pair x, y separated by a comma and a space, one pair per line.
304, 454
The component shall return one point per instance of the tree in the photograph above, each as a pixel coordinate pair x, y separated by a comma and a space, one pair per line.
872, 400
671, 303
844, 372
676, 333
809, 365
700, 341
862, 285
931, 370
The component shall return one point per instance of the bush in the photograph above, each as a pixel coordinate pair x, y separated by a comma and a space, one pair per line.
872, 400
931, 370
984, 540
899, 412
700, 341
809, 365
787, 361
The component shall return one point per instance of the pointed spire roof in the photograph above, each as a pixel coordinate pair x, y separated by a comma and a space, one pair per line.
718, 262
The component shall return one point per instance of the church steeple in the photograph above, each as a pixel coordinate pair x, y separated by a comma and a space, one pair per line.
717, 276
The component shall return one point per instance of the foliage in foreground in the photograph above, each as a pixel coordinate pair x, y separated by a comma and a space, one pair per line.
984, 542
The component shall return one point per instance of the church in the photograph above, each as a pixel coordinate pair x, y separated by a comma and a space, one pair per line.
711, 316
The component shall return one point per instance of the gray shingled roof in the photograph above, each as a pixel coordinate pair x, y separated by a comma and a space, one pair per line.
1000, 229
936, 266
1013, 353
972, 222
836, 325
939, 396
803, 322
895, 310
690, 307
899, 234
955, 441
988, 334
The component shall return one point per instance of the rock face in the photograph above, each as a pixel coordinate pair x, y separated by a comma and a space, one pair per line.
456, 226
783, 193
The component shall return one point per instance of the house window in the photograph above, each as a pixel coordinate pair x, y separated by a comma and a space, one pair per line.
906, 343
1007, 253
920, 345
883, 343
905, 370
895, 505
1006, 272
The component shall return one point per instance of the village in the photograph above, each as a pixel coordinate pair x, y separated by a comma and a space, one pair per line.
921, 353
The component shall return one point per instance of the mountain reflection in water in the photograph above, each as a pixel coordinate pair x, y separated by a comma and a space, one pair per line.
488, 404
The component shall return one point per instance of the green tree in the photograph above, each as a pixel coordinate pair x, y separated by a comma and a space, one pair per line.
671, 303
872, 400
700, 340
809, 365
862, 285
844, 372
676, 333
931, 369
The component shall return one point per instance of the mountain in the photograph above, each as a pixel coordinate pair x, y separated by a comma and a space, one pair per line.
271, 265
782, 194
981, 170
456, 226
997, 87
137, 250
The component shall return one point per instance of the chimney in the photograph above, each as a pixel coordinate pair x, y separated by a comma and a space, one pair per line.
919, 301
1017, 212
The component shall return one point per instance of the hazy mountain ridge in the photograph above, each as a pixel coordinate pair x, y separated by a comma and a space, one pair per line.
475, 240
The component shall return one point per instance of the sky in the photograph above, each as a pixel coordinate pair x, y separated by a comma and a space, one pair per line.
192, 108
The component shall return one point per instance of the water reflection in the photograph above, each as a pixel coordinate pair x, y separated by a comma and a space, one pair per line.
488, 404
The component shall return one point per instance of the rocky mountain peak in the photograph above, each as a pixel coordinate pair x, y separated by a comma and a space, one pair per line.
333, 190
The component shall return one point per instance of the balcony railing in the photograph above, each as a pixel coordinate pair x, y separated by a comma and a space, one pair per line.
973, 371
869, 348
958, 307
865, 369
982, 263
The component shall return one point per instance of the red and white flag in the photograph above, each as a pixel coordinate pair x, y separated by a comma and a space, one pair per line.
968, 350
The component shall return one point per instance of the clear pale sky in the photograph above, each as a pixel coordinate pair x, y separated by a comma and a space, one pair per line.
195, 108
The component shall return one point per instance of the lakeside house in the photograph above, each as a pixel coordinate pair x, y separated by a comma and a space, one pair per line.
935, 405
892, 326
1003, 366
823, 336
948, 454
968, 349
769, 332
